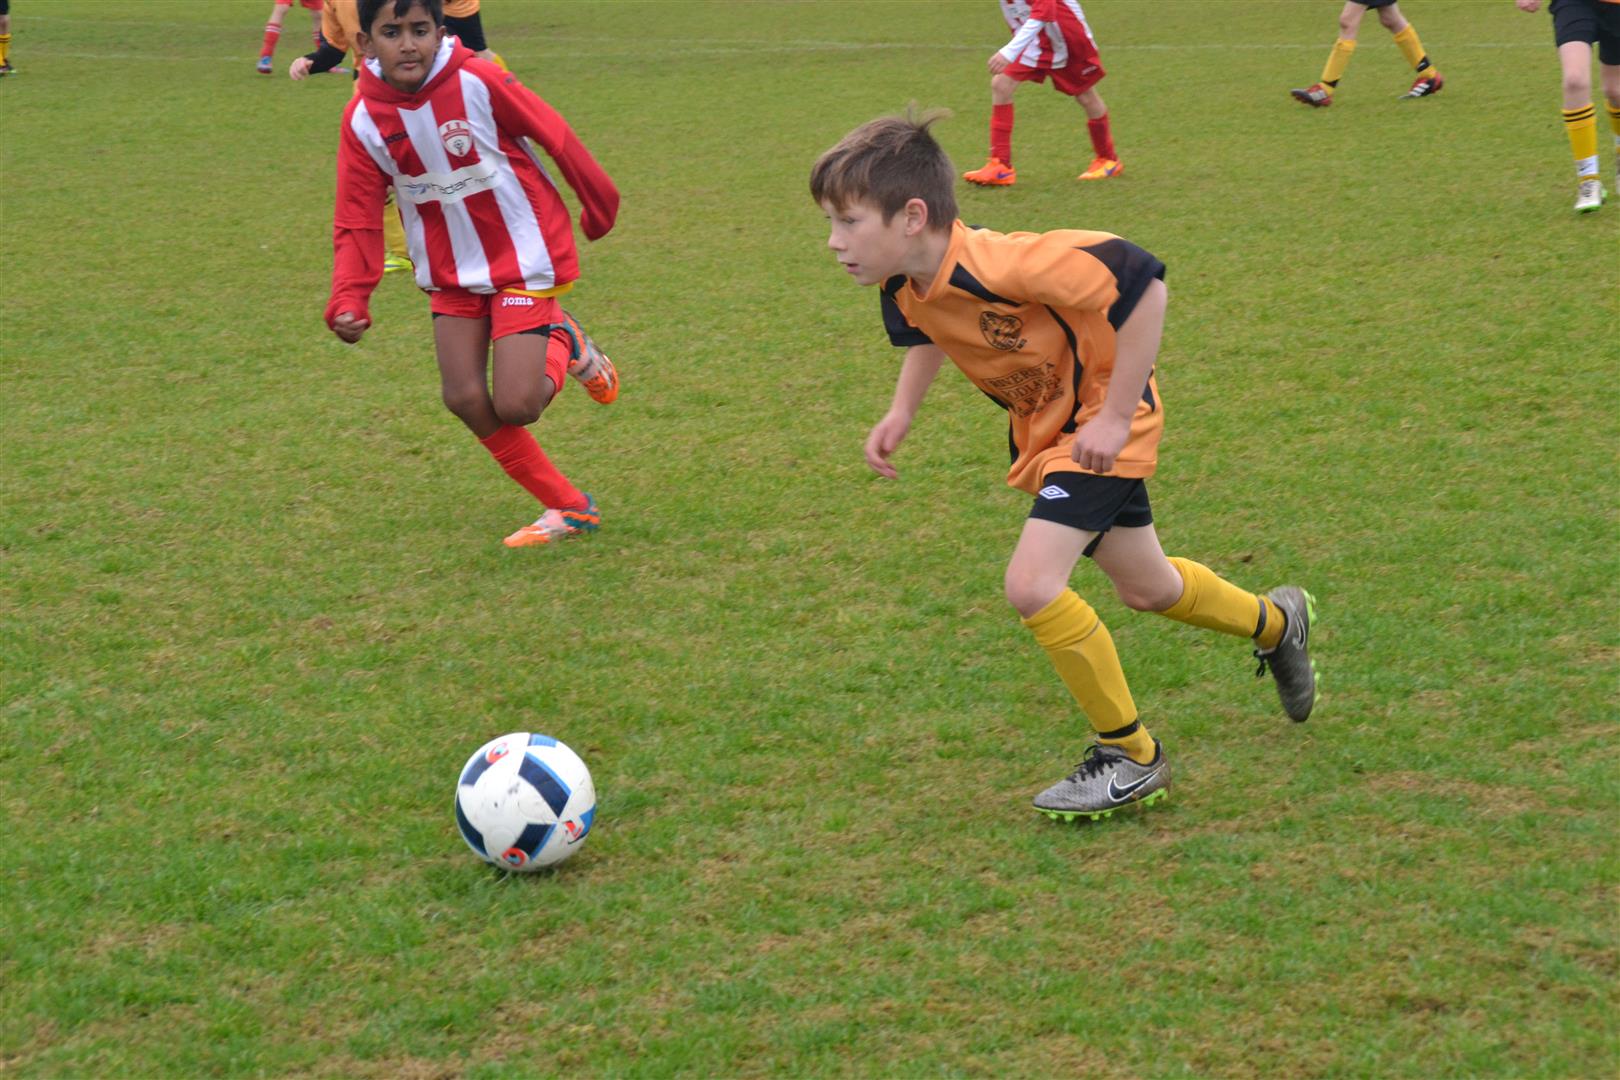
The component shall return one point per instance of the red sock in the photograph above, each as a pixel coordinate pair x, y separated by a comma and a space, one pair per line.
516, 451
1102, 140
1001, 125
271, 33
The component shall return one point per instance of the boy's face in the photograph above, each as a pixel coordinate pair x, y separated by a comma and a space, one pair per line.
403, 44
869, 249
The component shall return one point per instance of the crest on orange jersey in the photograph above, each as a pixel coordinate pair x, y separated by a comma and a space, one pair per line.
1001, 331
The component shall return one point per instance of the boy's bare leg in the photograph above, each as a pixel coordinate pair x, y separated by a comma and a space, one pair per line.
462, 349
1125, 764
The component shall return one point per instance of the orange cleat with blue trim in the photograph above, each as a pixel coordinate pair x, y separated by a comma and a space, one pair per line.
1101, 169
994, 174
558, 525
590, 365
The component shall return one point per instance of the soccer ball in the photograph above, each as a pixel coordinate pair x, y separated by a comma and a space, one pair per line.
525, 801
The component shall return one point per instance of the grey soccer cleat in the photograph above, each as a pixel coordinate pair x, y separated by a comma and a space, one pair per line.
1105, 781
1290, 662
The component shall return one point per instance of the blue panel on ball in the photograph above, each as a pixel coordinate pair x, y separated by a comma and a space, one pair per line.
585, 820
542, 740
480, 764
474, 838
533, 838
546, 782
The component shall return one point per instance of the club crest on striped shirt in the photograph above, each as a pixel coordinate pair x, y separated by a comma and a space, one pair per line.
457, 137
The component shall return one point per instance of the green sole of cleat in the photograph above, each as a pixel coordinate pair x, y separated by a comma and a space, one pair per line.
1070, 815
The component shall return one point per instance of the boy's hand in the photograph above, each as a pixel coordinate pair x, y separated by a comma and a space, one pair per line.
299, 69
349, 327
1528, 5
883, 440
998, 63
1099, 441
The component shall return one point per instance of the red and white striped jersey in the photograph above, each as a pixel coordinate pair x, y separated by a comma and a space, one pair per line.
1047, 34
480, 210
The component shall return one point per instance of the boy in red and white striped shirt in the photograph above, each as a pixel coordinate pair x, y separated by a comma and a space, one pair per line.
1050, 39
490, 236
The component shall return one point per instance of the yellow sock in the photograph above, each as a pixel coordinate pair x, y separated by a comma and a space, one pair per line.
393, 230
1412, 48
1337, 61
5, 47
1581, 124
1082, 651
495, 58
1614, 126
1210, 601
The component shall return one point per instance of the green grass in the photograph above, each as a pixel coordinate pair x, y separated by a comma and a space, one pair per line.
254, 612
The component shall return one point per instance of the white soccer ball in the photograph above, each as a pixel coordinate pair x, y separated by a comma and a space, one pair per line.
525, 801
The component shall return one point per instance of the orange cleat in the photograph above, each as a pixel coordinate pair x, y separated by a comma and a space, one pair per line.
591, 366
558, 525
994, 174
1101, 169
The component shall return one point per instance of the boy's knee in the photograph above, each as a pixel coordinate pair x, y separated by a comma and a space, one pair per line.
465, 402
1148, 598
1028, 594
521, 413
1577, 86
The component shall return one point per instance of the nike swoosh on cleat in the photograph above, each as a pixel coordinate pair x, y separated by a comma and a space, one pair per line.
1122, 794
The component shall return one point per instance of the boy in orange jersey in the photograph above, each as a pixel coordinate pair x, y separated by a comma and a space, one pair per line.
272, 29
1050, 38
1578, 25
1062, 330
1429, 80
462, 20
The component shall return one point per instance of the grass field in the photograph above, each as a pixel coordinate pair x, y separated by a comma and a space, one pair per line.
255, 612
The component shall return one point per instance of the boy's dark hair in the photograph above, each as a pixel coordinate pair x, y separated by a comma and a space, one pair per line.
368, 9
888, 162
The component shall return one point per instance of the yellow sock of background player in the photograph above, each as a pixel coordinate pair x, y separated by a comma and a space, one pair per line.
1581, 124
1337, 61
1210, 601
1082, 651
1412, 49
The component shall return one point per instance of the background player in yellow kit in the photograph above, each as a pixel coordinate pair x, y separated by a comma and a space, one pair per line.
1062, 330
1428, 82
1578, 25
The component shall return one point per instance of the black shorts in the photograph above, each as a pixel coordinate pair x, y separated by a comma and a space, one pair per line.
1093, 503
470, 30
1375, 3
1591, 22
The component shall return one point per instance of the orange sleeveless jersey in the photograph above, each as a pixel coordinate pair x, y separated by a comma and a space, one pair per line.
1030, 319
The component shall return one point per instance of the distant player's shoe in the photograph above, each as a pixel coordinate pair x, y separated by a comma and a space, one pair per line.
591, 366
392, 263
556, 525
1426, 86
1105, 781
1315, 95
7, 69
263, 66
1590, 195
1101, 169
994, 174
1290, 662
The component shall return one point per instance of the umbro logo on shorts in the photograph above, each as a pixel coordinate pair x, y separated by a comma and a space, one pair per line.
1052, 491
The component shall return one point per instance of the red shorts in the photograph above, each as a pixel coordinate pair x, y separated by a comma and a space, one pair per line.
313, 5
1084, 71
513, 312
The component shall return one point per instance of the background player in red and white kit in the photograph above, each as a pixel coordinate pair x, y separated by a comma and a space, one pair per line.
490, 236
1050, 39
272, 29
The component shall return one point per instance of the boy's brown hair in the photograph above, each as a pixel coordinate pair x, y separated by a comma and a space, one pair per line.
888, 162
